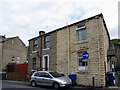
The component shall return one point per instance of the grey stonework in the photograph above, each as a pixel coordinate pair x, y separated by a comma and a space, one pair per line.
12, 47
64, 48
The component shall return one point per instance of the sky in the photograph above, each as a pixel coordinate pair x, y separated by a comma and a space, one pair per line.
25, 18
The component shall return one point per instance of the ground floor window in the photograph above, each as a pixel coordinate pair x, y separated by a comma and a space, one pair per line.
81, 64
18, 59
34, 63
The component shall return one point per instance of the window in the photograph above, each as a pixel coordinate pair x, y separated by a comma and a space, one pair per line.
80, 62
42, 74
39, 74
46, 42
12, 40
46, 75
34, 63
81, 31
13, 58
18, 59
35, 45
55, 74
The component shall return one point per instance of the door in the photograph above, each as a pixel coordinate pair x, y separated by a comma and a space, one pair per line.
47, 79
45, 63
39, 78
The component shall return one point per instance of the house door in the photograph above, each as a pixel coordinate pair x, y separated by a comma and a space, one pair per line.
45, 63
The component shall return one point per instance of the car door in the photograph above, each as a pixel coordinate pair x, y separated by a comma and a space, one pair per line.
47, 79
39, 78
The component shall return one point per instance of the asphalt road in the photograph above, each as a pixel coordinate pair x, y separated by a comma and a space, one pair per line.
9, 85
15, 85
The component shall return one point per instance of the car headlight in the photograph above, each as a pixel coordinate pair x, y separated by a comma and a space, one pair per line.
62, 82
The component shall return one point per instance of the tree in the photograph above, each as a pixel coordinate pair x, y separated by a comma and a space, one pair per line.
116, 41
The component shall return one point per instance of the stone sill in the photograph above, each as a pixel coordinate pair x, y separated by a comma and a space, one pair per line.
84, 41
46, 49
82, 72
34, 51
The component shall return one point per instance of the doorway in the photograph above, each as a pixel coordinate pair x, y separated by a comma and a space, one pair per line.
45, 62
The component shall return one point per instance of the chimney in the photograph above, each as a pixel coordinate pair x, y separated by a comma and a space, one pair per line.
41, 33
2, 37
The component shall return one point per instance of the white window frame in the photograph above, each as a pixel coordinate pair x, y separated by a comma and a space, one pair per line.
18, 59
35, 46
46, 48
82, 68
44, 62
80, 29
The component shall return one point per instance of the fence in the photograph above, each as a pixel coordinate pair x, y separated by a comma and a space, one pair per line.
17, 72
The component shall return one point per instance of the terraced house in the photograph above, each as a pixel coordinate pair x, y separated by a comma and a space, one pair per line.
12, 51
61, 50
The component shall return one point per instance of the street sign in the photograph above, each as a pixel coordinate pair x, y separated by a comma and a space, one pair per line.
85, 55
85, 60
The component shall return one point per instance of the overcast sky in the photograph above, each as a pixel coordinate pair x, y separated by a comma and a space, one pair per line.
25, 18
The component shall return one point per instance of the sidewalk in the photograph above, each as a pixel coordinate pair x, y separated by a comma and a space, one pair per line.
109, 87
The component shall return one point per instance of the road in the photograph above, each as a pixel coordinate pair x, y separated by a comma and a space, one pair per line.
8, 85
15, 85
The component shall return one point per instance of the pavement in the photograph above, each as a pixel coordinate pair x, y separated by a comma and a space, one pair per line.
73, 86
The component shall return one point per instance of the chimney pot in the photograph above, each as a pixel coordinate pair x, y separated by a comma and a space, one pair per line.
41, 33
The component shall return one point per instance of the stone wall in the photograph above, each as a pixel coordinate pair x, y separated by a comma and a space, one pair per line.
64, 48
51, 52
96, 45
14, 47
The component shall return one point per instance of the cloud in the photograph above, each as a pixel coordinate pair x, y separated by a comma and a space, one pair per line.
25, 18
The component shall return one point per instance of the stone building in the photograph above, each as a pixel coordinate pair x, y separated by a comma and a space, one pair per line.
114, 56
61, 50
12, 51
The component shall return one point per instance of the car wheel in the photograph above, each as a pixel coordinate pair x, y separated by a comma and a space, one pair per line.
56, 85
33, 84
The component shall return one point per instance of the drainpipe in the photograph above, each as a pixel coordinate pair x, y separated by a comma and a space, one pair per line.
41, 33
98, 44
68, 49
2, 56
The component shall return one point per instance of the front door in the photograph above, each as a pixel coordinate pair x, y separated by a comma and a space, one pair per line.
45, 63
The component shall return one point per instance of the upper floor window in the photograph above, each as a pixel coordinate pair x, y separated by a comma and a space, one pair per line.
46, 42
81, 32
35, 45
12, 41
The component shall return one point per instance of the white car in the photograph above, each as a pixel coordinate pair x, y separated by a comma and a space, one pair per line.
50, 78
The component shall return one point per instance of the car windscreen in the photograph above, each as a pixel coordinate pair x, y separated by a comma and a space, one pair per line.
55, 74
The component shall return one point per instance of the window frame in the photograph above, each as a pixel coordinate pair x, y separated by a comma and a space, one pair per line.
34, 63
18, 59
35, 42
81, 28
81, 67
47, 42
13, 58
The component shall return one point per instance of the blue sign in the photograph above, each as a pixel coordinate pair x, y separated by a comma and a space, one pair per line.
85, 55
